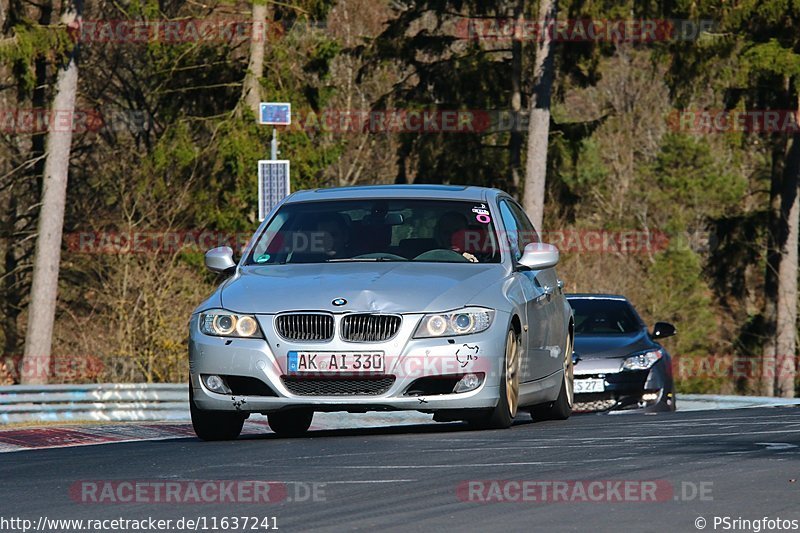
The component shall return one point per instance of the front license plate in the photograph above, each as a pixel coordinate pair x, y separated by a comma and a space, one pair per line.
589, 385
336, 362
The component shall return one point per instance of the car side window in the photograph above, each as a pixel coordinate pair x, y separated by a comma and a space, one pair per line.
528, 232
519, 230
511, 229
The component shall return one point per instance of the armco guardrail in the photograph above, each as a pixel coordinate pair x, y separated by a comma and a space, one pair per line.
170, 401
102, 402
705, 402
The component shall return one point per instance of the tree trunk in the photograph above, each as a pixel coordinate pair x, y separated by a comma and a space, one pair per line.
539, 119
44, 286
515, 136
786, 331
251, 89
770, 314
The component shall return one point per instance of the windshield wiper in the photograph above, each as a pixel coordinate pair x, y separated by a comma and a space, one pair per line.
350, 260
359, 259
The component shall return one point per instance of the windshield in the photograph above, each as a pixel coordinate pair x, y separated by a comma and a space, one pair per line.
604, 317
442, 231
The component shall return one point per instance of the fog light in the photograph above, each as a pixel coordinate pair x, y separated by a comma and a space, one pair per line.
650, 396
216, 384
468, 382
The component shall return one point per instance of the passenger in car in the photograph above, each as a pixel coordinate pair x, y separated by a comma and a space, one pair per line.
334, 234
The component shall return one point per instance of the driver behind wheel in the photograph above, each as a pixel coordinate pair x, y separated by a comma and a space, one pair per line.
334, 235
447, 228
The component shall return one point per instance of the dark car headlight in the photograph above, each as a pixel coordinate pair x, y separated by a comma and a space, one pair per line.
642, 361
221, 323
461, 322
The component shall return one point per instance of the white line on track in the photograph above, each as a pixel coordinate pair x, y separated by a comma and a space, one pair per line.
735, 434
639, 437
483, 465
440, 450
665, 420
353, 482
474, 465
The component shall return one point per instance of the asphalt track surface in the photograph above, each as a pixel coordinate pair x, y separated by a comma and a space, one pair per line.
740, 464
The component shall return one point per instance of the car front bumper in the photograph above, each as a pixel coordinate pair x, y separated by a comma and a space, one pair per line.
630, 389
407, 361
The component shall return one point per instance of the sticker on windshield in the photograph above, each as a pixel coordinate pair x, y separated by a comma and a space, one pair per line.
482, 214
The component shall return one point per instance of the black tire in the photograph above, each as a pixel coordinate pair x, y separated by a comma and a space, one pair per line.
557, 410
290, 423
214, 425
561, 408
502, 416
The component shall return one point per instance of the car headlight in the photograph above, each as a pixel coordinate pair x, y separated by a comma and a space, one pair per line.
462, 322
642, 361
220, 323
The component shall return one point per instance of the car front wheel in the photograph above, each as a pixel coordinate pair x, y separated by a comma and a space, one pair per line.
503, 415
214, 425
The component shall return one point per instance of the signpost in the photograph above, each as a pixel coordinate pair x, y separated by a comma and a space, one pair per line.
273, 174
275, 114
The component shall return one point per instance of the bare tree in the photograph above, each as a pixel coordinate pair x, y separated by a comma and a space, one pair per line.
47, 258
516, 10
539, 120
251, 89
786, 330
770, 311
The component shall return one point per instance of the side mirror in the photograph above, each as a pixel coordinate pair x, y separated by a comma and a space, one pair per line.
663, 330
539, 255
220, 259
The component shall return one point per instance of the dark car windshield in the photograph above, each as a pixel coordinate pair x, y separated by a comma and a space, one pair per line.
444, 231
594, 316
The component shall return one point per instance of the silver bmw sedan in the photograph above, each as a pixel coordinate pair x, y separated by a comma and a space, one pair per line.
438, 299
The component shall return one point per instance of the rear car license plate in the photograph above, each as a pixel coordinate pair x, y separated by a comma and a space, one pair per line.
336, 362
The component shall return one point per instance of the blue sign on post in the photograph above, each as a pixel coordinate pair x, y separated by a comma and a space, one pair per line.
276, 114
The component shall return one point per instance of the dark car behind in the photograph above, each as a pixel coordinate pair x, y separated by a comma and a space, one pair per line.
620, 363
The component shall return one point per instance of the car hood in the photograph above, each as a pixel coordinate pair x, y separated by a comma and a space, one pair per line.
612, 346
377, 287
